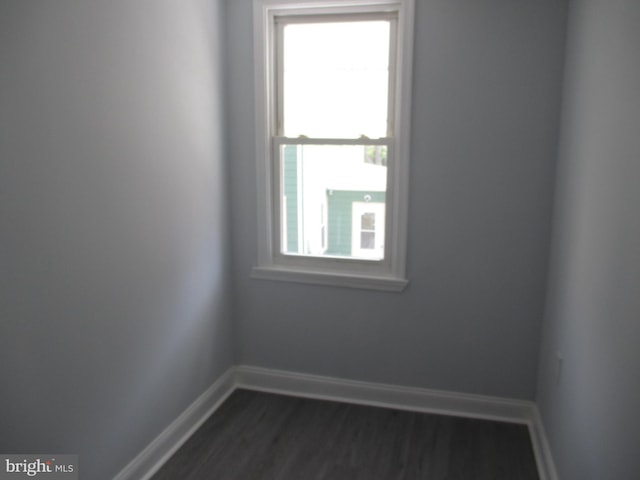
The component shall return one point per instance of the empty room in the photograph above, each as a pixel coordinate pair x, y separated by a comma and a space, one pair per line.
320, 239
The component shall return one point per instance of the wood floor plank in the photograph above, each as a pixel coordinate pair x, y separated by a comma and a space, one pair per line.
262, 436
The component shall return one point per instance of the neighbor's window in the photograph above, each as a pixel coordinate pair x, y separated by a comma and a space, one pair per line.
332, 90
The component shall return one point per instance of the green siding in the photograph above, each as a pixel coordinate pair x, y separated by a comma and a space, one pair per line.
339, 210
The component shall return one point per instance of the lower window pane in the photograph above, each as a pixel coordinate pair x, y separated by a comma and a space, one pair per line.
333, 200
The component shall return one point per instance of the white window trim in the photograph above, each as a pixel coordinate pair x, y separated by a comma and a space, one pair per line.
390, 273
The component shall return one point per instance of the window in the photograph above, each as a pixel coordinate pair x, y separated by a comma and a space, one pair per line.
332, 124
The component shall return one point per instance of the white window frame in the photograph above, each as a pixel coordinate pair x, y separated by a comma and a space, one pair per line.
390, 273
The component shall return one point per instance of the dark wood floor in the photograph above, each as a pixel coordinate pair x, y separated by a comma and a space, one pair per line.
256, 436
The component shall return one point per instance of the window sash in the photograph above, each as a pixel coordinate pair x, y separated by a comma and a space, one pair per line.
277, 60
277, 210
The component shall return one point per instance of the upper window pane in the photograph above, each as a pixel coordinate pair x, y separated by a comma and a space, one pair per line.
336, 79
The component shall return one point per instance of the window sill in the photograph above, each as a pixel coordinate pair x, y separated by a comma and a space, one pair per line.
368, 282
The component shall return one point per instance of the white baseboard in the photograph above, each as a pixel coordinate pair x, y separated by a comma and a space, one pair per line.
377, 394
541, 447
149, 461
365, 393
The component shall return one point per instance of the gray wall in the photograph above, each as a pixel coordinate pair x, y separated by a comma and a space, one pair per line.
486, 95
593, 315
114, 310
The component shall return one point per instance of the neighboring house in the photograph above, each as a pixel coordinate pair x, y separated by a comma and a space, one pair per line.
324, 214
